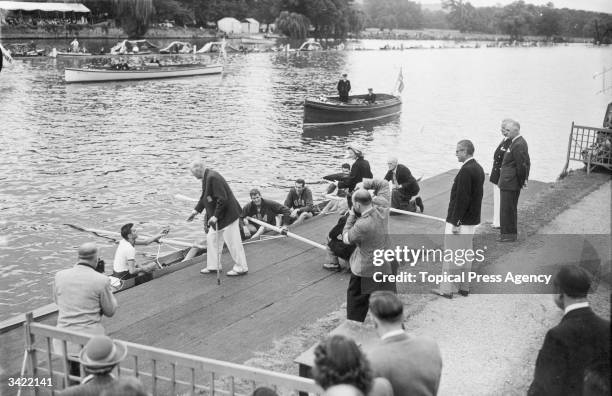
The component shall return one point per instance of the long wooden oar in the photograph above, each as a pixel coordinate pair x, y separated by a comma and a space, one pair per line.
418, 215
117, 234
289, 234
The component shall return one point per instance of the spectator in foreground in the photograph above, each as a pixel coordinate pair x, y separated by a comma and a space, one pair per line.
126, 386
412, 364
264, 391
98, 358
579, 342
338, 360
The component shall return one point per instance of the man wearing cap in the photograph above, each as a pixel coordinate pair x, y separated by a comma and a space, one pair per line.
367, 227
222, 214
344, 87
581, 340
413, 364
98, 358
370, 97
83, 296
405, 186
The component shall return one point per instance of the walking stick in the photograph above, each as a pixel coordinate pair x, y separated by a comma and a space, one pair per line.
219, 253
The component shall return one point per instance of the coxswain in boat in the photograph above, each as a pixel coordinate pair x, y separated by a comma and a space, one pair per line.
124, 264
266, 210
299, 201
370, 98
222, 215
344, 87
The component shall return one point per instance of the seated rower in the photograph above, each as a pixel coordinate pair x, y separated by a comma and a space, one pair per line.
370, 98
124, 265
266, 210
299, 200
335, 205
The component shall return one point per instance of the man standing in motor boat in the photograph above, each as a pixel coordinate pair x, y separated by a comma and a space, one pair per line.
344, 87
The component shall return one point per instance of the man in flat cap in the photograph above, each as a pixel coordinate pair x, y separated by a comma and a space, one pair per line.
344, 87
370, 97
575, 346
83, 296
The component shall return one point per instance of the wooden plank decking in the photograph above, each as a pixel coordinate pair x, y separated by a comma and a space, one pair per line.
286, 288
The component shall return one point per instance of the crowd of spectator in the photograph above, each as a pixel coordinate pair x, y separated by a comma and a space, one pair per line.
34, 21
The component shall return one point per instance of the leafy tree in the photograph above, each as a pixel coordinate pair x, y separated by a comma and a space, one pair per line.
173, 10
462, 16
292, 24
394, 14
134, 16
516, 19
548, 23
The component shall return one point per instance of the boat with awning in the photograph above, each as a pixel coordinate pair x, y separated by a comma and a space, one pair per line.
74, 75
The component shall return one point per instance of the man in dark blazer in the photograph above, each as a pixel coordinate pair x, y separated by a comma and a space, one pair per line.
580, 342
462, 218
514, 174
344, 87
222, 214
412, 364
405, 186
498, 157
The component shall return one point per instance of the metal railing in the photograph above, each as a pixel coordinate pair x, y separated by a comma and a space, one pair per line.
162, 372
592, 146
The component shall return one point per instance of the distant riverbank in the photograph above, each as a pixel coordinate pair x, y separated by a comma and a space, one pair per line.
101, 31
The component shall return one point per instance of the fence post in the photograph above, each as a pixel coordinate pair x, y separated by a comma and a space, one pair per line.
30, 349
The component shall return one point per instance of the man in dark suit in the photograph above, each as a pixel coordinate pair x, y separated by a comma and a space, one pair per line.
412, 364
498, 157
513, 177
222, 214
344, 87
580, 342
405, 186
462, 218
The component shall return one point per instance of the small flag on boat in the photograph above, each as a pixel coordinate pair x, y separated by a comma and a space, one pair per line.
400, 81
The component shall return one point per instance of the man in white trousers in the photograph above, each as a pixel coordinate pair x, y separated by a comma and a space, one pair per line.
498, 157
462, 218
222, 220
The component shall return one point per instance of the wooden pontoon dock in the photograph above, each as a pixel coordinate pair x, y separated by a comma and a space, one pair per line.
286, 288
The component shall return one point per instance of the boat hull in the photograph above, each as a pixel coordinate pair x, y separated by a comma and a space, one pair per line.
330, 111
97, 75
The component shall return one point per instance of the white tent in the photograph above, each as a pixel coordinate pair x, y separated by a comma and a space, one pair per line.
229, 25
46, 7
250, 25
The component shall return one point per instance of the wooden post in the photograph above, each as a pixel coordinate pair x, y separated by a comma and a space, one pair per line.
30, 349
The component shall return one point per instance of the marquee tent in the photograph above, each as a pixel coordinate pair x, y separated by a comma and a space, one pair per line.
45, 7
229, 25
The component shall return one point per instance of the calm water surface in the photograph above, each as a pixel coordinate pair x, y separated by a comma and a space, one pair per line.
100, 155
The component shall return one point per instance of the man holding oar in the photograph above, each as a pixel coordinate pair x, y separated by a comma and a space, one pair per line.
124, 264
222, 214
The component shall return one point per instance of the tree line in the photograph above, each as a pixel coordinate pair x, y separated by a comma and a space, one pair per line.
342, 18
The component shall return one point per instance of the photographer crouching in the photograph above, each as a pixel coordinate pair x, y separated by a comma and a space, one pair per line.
83, 295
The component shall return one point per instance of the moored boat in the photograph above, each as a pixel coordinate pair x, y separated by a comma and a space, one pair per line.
330, 111
73, 75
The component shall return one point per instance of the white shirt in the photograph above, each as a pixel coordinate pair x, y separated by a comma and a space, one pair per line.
392, 334
575, 306
125, 251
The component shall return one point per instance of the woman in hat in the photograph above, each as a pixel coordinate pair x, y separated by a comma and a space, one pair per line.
98, 358
359, 170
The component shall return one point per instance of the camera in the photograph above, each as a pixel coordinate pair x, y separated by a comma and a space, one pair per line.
100, 266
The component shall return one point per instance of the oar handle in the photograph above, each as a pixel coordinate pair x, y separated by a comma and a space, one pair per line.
289, 234
165, 240
418, 215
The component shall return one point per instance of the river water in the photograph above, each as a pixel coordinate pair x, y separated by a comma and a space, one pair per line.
101, 155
